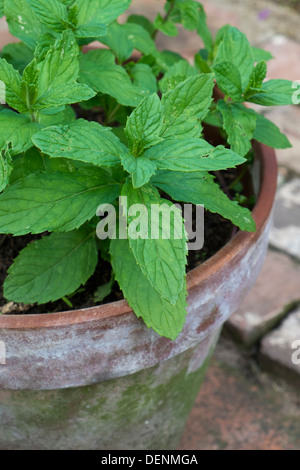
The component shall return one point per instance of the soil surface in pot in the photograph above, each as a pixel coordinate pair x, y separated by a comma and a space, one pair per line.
217, 233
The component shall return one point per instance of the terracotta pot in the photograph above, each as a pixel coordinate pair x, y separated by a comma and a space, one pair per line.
100, 379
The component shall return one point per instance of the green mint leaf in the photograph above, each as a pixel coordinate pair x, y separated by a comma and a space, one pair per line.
261, 55
75, 93
23, 23
6, 167
123, 38
58, 74
143, 78
90, 30
200, 188
140, 168
17, 130
100, 11
201, 64
51, 14
183, 128
269, 134
166, 27
229, 80
192, 155
192, 16
26, 163
12, 80
103, 291
166, 319
203, 30
18, 55
165, 60
62, 263
99, 71
60, 65
67, 2
55, 201
214, 118
274, 93
72, 13
140, 38
144, 125
161, 259
1, 8
33, 161
81, 140
118, 41
190, 99
66, 116
258, 75
46, 42
176, 74
189, 12
236, 49
142, 21
29, 85
221, 34
240, 124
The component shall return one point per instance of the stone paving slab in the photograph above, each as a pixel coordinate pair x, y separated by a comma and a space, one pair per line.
274, 294
290, 158
240, 408
285, 234
287, 118
280, 349
286, 53
260, 20
263, 20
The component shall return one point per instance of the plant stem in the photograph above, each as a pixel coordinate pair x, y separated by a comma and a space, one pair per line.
109, 118
167, 16
223, 183
67, 301
238, 179
34, 116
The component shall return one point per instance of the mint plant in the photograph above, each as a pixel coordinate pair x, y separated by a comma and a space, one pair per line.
56, 168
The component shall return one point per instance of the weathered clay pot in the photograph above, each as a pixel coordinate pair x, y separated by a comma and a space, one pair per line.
100, 379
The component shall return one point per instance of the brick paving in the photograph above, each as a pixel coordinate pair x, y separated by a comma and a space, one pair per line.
268, 303
241, 408
280, 349
285, 234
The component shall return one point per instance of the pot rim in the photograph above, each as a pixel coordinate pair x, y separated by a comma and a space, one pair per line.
261, 213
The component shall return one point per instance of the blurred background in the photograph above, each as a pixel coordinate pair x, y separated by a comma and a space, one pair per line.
250, 398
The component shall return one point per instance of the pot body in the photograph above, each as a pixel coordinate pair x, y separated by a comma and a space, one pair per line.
100, 379
145, 410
